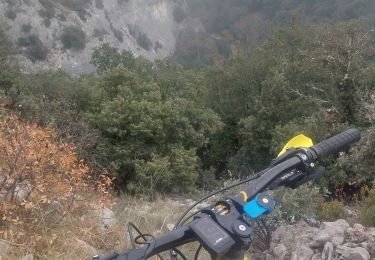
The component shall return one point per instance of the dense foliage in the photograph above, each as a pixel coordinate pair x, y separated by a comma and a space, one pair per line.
152, 120
302, 79
73, 37
159, 126
367, 210
34, 47
242, 24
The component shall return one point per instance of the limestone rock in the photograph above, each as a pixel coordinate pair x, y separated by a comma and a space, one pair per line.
327, 253
293, 236
331, 232
304, 253
279, 252
294, 256
356, 234
349, 253
350, 244
106, 218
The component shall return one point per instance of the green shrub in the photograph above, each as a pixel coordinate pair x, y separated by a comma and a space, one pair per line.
174, 172
330, 210
73, 37
367, 209
207, 180
35, 48
99, 4
295, 204
158, 45
11, 14
144, 41
48, 11
151, 143
224, 47
43, 96
6, 47
47, 22
26, 28
79, 6
7, 74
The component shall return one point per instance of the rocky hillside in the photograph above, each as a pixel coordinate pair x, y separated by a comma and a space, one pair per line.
62, 34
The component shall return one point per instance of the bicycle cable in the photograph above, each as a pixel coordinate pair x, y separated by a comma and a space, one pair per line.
180, 220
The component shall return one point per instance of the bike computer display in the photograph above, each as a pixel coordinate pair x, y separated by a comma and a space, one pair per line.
213, 238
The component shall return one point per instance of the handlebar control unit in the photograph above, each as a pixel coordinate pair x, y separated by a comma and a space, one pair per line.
212, 237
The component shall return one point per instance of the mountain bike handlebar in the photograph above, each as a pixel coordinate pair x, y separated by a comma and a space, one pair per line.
174, 238
337, 143
321, 150
221, 228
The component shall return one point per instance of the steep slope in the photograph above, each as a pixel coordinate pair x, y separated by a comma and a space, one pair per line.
63, 33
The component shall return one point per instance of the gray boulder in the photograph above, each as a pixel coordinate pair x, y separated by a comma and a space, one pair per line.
294, 236
356, 234
106, 218
280, 252
304, 252
332, 241
349, 253
331, 232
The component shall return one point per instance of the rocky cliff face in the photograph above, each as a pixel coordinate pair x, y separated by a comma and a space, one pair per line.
146, 27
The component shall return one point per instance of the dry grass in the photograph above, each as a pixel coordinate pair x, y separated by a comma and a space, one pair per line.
153, 217
80, 236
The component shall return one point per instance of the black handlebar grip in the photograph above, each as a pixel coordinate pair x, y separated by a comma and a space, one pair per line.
336, 143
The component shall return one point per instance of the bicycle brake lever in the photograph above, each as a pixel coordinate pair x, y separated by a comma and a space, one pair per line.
314, 174
296, 178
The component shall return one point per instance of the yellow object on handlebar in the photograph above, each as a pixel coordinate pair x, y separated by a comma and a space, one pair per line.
297, 142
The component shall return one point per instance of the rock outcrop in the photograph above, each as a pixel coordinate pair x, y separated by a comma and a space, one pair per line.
331, 241
146, 27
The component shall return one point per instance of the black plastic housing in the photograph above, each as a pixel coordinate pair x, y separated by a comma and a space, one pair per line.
212, 237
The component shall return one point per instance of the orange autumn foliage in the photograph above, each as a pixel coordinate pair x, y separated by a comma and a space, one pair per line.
41, 179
